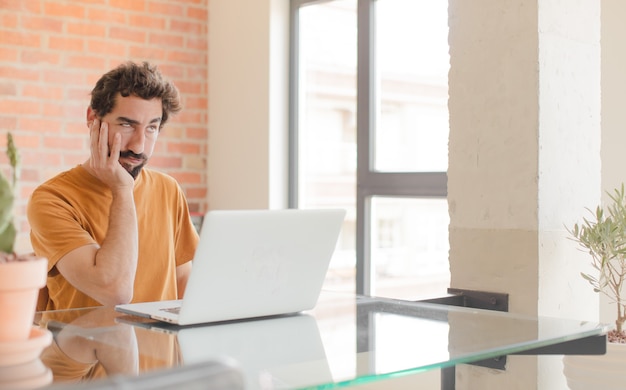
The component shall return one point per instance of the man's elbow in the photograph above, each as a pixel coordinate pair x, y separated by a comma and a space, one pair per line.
116, 296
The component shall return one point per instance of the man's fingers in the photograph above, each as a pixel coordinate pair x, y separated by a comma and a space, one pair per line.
94, 131
116, 148
103, 141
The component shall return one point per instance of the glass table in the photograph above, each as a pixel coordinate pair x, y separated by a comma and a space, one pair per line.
346, 340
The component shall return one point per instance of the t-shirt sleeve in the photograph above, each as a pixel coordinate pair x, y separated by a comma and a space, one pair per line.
55, 226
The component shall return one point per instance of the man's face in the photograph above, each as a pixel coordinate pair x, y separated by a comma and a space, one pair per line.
138, 121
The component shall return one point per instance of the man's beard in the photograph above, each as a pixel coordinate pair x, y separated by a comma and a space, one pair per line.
133, 171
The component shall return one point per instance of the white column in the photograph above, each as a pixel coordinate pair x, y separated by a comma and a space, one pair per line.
524, 161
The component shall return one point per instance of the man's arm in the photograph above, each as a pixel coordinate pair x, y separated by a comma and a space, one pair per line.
107, 273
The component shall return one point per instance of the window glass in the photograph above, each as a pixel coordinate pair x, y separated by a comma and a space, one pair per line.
409, 247
408, 237
412, 64
327, 123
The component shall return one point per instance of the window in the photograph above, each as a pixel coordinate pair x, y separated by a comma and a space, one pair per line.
369, 133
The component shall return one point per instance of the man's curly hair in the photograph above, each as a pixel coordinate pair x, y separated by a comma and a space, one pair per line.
142, 80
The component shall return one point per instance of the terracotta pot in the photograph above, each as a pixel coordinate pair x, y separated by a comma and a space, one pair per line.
604, 372
20, 282
30, 375
20, 352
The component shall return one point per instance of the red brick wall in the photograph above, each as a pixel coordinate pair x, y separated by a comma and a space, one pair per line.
53, 51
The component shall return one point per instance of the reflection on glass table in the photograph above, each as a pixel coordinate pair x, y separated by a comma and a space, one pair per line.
346, 340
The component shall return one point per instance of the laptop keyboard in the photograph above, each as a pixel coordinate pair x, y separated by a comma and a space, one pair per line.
175, 310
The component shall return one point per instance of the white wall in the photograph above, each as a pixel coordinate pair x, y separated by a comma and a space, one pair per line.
248, 104
613, 110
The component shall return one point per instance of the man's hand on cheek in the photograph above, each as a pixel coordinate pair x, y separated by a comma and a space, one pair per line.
105, 160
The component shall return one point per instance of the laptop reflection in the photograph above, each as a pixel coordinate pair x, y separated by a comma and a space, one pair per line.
276, 352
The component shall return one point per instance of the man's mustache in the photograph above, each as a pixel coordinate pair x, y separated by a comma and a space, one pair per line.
130, 154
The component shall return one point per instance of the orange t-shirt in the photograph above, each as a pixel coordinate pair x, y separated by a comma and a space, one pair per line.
72, 210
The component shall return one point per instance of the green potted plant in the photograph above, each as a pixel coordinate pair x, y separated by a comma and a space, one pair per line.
21, 275
603, 236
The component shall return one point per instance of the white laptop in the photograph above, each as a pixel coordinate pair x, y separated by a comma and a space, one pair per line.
252, 263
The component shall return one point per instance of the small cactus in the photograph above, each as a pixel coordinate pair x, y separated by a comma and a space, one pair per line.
7, 200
